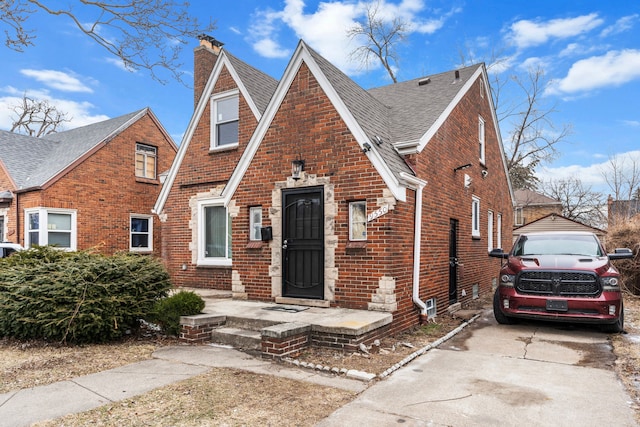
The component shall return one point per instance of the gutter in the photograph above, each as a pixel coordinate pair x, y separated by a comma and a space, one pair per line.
417, 184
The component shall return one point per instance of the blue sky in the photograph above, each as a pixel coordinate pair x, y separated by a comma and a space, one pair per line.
590, 51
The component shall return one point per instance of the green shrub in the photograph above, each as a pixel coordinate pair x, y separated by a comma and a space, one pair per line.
167, 311
79, 297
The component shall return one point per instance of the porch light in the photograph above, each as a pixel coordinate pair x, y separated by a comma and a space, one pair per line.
297, 166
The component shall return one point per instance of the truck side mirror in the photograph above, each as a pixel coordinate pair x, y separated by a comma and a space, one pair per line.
498, 253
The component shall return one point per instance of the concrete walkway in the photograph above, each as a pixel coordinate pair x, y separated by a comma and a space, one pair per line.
170, 364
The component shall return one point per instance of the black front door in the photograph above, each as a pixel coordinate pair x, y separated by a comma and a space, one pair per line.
453, 261
303, 243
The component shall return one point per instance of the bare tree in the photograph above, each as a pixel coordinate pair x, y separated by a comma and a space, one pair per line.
37, 118
579, 203
144, 34
623, 177
532, 135
381, 38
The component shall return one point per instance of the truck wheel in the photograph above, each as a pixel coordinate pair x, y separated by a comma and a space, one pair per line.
501, 318
617, 327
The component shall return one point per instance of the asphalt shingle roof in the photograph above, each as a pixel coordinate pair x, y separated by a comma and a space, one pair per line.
261, 86
32, 162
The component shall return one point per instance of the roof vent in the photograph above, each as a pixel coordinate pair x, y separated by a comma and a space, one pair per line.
424, 81
457, 77
377, 140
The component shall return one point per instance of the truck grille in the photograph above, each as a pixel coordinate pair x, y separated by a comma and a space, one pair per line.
558, 283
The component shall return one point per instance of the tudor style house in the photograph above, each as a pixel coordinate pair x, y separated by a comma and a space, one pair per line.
311, 190
89, 187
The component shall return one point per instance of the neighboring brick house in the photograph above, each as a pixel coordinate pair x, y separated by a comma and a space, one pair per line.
621, 210
313, 191
531, 206
89, 187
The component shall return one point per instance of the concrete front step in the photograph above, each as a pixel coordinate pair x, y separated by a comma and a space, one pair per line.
239, 338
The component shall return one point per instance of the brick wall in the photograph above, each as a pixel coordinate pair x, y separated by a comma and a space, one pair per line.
307, 124
104, 191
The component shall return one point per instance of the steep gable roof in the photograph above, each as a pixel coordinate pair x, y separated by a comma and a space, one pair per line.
259, 85
416, 106
36, 162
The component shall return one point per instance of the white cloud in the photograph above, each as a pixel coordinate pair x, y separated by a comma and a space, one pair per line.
120, 64
612, 69
325, 29
623, 24
592, 175
526, 33
57, 80
78, 111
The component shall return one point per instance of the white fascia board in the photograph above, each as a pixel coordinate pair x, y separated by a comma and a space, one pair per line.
302, 55
447, 111
195, 120
494, 116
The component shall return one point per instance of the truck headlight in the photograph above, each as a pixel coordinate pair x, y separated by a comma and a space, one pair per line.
610, 283
507, 280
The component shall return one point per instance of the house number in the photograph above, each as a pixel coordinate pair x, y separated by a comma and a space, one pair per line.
378, 213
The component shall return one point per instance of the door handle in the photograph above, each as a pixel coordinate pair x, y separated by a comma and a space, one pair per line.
285, 244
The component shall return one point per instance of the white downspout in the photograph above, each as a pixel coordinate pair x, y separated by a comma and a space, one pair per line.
418, 184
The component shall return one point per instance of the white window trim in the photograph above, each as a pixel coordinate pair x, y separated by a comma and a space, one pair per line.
213, 108
362, 239
252, 224
150, 233
43, 231
518, 216
147, 154
482, 139
499, 230
201, 259
490, 230
475, 216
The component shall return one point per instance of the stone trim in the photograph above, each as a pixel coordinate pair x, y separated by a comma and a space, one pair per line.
330, 238
385, 297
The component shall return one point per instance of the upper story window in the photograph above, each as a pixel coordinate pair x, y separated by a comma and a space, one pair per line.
146, 161
481, 140
358, 221
255, 223
519, 216
55, 227
224, 123
475, 217
141, 230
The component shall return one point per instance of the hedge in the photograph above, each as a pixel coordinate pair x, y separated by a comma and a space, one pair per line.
79, 297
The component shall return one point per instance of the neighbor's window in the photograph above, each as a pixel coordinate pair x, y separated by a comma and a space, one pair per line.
54, 227
146, 161
490, 230
255, 223
141, 231
475, 217
358, 220
1, 228
224, 125
481, 143
215, 235
519, 216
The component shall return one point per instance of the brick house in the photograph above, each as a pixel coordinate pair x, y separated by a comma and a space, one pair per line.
313, 191
89, 187
531, 206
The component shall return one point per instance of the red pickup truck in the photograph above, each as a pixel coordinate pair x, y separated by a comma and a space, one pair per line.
560, 276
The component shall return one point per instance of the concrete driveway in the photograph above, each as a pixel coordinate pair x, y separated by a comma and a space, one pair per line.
530, 374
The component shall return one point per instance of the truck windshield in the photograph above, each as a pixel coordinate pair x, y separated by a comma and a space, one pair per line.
558, 244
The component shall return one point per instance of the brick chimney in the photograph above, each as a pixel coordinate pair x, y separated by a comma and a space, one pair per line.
204, 58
